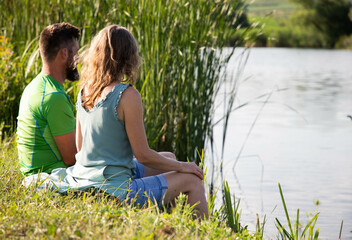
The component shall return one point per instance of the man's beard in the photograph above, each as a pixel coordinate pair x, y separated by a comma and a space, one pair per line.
71, 71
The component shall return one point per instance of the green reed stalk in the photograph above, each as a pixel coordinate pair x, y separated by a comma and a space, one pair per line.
180, 41
232, 213
341, 226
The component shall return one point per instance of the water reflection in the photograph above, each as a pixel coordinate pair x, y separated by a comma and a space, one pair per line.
302, 138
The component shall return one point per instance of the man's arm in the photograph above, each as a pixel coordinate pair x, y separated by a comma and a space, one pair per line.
67, 147
61, 121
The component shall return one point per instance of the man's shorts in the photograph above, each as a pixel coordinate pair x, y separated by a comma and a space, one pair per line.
142, 187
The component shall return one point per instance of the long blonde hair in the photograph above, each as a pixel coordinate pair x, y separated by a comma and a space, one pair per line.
112, 57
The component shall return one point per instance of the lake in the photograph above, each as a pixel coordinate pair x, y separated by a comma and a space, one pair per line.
301, 137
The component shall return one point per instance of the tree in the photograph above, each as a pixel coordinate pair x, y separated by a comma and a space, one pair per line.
331, 17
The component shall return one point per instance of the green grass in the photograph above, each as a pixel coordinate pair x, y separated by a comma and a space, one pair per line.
295, 229
278, 8
27, 214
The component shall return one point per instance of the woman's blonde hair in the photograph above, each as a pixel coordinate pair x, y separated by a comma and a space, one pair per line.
112, 57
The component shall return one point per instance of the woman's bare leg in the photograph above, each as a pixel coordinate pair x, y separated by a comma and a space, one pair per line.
186, 183
192, 186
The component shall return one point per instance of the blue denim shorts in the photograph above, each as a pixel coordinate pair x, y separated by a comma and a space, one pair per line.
142, 188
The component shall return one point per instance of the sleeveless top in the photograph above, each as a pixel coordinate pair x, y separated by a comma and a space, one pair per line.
106, 156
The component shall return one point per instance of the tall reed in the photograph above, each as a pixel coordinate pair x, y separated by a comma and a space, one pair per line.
180, 41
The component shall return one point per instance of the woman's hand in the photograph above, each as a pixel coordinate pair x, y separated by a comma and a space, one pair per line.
190, 167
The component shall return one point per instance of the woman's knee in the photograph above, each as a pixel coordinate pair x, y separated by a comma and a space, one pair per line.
185, 182
194, 182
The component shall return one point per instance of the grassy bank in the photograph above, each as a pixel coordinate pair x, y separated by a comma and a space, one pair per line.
46, 215
281, 8
27, 214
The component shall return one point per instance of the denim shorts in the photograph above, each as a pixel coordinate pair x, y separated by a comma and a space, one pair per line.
143, 188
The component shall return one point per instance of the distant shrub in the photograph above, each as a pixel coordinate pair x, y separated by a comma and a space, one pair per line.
290, 32
344, 42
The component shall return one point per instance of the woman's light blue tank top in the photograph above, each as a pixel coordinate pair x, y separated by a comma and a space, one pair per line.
106, 154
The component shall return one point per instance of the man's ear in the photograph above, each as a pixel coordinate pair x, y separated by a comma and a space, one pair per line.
64, 54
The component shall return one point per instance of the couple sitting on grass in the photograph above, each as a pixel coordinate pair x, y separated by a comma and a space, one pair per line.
106, 146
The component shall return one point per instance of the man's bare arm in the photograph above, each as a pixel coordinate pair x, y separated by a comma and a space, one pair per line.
67, 147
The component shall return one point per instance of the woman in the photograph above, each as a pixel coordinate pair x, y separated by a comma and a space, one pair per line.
110, 131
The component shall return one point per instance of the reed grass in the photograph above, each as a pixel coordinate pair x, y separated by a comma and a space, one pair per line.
340, 233
233, 213
180, 41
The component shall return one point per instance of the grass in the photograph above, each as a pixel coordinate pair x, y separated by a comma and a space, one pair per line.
27, 214
281, 8
181, 43
295, 227
233, 211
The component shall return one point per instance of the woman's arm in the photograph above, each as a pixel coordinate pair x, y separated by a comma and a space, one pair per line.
130, 110
78, 135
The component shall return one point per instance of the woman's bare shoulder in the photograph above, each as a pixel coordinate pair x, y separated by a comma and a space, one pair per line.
130, 103
131, 93
130, 96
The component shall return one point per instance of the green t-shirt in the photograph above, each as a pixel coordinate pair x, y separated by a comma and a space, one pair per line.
45, 111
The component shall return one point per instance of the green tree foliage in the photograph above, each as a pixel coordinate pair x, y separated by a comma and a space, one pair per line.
333, 18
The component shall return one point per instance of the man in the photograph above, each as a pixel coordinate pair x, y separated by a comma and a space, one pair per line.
46, 123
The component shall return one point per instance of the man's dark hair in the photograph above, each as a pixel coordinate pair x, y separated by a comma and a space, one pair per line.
55, 37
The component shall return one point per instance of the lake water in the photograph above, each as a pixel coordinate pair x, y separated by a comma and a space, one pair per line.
301, 139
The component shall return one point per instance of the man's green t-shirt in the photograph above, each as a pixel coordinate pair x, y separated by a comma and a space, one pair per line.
45, 111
